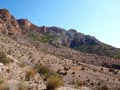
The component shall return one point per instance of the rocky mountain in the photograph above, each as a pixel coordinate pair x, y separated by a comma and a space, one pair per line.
71, 39
57, 36
49, 58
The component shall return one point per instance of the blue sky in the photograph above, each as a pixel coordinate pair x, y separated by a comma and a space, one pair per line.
99, 18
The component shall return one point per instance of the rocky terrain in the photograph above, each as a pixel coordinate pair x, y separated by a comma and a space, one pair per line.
39, 58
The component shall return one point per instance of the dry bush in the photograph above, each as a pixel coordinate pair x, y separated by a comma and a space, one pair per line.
30, 73
54, 82
4, 59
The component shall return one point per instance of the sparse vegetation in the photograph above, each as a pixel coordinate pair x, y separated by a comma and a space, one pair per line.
44, 38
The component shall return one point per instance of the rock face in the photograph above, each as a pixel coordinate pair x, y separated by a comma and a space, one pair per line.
8, 23
24, 22
25, 25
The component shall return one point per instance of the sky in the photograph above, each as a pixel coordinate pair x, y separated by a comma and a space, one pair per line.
98, 18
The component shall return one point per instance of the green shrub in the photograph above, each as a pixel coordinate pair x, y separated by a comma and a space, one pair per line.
54, 82
42, 69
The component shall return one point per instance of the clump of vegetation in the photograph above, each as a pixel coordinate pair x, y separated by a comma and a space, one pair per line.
44, 38
53, 79
54, 82
34, 36
29, 74
44, 71
4, 59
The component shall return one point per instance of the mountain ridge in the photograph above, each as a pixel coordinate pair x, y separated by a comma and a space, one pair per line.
57, 36
75, 40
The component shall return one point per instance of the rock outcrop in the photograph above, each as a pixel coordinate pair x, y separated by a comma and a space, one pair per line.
8, 23
24, 22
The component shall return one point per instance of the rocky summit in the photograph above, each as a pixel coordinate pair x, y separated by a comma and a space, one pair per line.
52, 58
8, 23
